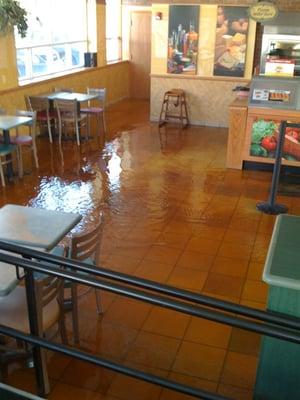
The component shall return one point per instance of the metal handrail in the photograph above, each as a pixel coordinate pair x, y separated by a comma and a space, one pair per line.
85, 274
123, 369
267, 316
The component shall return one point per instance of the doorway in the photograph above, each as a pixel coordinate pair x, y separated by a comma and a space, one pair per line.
140, 54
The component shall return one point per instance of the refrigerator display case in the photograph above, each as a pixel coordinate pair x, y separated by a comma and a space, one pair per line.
271, 101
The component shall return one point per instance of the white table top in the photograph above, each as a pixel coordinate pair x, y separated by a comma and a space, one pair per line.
35, 227
12, 121
81, 97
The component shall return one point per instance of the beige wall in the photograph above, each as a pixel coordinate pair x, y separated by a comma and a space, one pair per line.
208, 97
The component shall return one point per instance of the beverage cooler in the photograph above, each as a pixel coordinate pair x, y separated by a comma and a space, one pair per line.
272, 100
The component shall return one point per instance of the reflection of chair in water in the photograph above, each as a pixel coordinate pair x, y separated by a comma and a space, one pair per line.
171, 139
174, 107
69, 118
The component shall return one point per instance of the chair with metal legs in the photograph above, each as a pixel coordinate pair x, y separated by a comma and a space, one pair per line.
85, 247
26, 142
70, 118
44, 113
99, 110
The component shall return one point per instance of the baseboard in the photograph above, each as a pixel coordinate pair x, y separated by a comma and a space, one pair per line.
196, 122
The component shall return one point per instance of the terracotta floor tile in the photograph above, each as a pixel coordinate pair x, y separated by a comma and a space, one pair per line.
240, 237
239, 370
223, 285
163, 254
56, 364
24, 379
179, 226
203, 245
173, 239
126, 388
242, 341
235, 250
235, 393
255, 271
153, 350
87, 376
143, 236
129, 249
255, 291
154, 270
62, 391
109, 339
199, 361
254, 304
187, 278
230, 266
127, 312
119, 263
208, 332
198, 383
244, 224
209, 232
166, 322
193, 259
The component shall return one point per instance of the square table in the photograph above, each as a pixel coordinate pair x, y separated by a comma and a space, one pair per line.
8, 122
80, 97
43, 229
35, 227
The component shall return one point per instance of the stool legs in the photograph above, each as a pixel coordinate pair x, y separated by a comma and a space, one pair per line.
178, 100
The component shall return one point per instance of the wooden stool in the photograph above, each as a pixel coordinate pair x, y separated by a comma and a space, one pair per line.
174, 98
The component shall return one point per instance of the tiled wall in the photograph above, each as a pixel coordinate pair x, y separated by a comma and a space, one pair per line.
115, 78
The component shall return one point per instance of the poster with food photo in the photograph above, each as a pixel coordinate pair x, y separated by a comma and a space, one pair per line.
231, 41
183, 39
264, 138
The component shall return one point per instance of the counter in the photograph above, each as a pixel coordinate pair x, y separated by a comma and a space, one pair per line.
254, 123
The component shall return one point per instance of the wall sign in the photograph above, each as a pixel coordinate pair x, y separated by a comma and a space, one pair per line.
183, 39
231, 41
263, 11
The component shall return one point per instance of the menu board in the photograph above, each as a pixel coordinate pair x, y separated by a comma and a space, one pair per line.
271, 95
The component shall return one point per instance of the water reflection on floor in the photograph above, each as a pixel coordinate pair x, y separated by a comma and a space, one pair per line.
173, 214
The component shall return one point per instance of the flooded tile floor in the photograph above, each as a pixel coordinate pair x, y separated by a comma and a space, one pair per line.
173, 214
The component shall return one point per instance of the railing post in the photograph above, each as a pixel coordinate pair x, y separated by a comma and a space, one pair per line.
38, 353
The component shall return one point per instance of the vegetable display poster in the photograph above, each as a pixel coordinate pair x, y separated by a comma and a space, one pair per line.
231, 41
264, 137
183, 39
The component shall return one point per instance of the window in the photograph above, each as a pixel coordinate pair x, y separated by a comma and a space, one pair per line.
113, 30
56, 38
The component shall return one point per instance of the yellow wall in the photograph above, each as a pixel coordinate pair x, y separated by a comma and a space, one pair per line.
115, 78
8, 68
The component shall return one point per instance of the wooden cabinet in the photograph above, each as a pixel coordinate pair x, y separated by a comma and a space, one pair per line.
238, 111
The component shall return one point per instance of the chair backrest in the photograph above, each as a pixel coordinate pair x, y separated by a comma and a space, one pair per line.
31, 124
60, 89
48, 288
37, 103
66, 109
101, 94
86, 246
